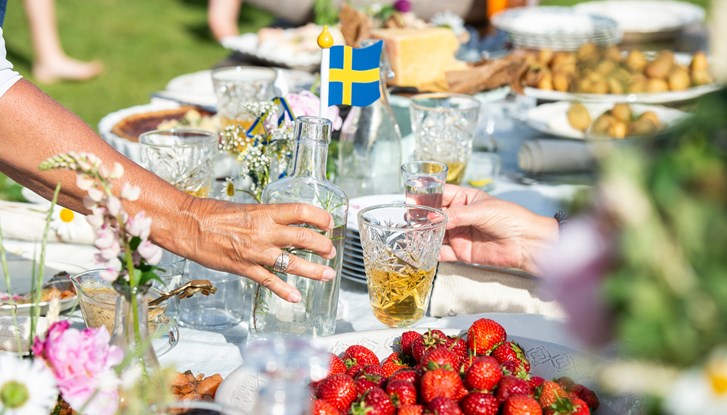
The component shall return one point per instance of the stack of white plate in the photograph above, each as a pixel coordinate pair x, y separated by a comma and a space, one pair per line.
556, 28
353, 254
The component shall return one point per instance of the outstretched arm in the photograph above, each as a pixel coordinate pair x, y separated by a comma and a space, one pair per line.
242, 239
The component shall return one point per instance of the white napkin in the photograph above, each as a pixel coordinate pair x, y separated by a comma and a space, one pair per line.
466, 289
549, 156
204, 352
26, 222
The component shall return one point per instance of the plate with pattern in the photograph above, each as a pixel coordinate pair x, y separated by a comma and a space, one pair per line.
548, 360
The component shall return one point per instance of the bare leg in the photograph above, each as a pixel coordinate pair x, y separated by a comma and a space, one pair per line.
51, 64
222, 17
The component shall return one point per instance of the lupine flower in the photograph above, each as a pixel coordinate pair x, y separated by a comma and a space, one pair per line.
403, 6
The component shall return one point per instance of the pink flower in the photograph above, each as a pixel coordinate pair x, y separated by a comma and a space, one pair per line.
84, 182
139, 225
113, 205
573, 274
403, 6
117, 171
150, 252
130, 192
82, 362
95, 194
307, 103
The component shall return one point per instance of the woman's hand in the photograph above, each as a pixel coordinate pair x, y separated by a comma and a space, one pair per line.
483, 229
247, 239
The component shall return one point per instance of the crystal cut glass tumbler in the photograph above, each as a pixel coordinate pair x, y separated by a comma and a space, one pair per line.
401, 245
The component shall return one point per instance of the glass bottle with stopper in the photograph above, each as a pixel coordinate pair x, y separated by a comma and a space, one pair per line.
315, 314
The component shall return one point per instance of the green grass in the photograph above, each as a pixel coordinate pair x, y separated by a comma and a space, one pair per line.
143, 44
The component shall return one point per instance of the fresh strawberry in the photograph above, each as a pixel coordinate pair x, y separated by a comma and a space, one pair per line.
521, 405
484, 334
536, 384
409, 375
361, 355
512, 385
444, 406
511, 351
587, 395
401, 392
354, 370
407, 338
566, 382
336, 365
392, 363
410, 410
374, 402
429, 340
321, 407
338, 390
477, 403
363, 384
550, 393
374, 373
483, 375
441, 382
512, 367
439, 357
580, 407
459, 347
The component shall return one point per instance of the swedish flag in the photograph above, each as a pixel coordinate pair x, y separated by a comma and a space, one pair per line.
354, 75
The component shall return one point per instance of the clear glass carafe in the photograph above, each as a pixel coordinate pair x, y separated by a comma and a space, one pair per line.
131, 328
369, 150
315, 315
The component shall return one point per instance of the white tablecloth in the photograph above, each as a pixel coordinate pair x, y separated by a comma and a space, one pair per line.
220, 352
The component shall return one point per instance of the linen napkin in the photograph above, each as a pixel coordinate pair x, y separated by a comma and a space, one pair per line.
466, 289
26, 222
555, 156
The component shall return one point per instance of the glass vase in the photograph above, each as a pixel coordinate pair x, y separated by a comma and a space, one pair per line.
315, 315
131, 328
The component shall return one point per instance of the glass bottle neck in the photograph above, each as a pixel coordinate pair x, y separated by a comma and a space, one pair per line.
310, 159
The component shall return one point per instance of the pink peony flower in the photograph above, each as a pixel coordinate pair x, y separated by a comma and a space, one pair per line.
83, 363
403, 6
307, 103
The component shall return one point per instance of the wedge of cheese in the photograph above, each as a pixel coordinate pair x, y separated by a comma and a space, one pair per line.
420, 57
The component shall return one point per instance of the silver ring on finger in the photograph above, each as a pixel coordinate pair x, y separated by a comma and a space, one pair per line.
282, 262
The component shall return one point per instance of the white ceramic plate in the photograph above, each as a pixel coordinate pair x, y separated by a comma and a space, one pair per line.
358, 203
552, 119
665, 18
21, 271
558, 28
548, 360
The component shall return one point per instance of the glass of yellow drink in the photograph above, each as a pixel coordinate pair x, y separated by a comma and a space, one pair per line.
401, 245
443, 125
183, 157
239, 85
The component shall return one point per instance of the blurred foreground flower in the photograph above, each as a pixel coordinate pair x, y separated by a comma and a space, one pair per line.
27, 387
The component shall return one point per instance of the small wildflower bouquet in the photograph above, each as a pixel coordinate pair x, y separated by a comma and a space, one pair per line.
265, 149
644, 267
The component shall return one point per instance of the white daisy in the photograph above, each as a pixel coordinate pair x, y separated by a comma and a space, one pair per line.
701, 391
228, 190
27, 387
66, 223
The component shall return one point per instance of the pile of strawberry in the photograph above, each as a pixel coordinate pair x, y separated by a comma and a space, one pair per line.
442, 375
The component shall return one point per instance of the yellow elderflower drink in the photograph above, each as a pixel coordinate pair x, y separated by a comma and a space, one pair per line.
455, 172
200, 192
399, 297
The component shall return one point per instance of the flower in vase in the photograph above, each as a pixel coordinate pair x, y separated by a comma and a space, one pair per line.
27, 387
122, 240
229, 190
82, 362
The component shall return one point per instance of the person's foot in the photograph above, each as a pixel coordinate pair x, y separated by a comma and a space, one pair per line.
67, 69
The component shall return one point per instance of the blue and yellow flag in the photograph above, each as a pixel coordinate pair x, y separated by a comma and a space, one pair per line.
354, 75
